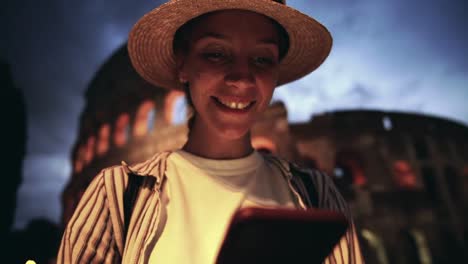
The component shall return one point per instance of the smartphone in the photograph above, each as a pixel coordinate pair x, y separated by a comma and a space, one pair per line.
264, 235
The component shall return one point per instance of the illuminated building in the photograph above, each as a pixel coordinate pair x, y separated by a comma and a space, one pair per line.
402, 174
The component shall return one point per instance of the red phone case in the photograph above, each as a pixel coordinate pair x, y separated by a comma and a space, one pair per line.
260, 235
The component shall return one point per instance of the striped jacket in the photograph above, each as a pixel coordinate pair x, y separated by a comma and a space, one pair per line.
95, 232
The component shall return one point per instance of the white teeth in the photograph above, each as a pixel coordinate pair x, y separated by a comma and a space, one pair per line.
234, 105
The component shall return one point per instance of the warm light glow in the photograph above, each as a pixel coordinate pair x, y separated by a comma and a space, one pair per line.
121, 130
30, 262
89, 152
350, 161
78, 166
103, 141
403, 174
263, 143
170, 110
144, 119
465, 171
80, 158
359, 178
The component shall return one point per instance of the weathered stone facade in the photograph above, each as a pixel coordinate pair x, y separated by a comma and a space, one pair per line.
402, 174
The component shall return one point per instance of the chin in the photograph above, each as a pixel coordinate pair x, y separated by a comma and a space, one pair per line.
234, 133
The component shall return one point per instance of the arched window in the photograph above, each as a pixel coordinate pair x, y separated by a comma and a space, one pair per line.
428, 176
444, 147
144, 119
263, 144
89, 152
80, 158
349, 170
396, 144
421, 149
404, 175
454, 183
462, 150
373, 248
122, 130
175, 108
151, 119
78, 166
103, 140
343, 175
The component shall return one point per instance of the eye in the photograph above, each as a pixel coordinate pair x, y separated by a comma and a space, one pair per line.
264, 61
214, 56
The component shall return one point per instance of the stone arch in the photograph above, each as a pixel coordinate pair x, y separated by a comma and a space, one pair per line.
403, 174
103, 139
144, 118
175, 108
349, 169
121, 130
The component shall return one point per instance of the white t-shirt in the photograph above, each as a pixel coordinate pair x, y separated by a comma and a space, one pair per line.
200, 197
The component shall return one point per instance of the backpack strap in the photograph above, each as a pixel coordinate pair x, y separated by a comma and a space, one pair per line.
305, 178
130, 195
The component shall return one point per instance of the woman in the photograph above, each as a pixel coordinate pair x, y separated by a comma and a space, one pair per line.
229, 56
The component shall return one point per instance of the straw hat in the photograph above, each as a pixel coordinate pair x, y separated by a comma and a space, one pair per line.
150, 42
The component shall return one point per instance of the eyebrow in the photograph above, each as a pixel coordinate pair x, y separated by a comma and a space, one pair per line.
223, 37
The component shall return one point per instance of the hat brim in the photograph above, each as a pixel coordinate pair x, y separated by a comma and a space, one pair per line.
150, 43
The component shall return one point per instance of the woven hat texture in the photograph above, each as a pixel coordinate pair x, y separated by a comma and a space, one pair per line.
150, 43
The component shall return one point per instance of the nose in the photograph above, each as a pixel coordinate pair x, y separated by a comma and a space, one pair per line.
240, 74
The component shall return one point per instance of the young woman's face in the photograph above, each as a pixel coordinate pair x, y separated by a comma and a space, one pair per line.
232, 69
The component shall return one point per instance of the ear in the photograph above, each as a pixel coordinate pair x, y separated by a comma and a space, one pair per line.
181, 73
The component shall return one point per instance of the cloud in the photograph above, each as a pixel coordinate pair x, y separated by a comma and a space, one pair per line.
44, 178
393, 55
54, 55
409, 56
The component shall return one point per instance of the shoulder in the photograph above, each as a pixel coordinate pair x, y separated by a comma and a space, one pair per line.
296, 171
316, 186
152, 166
275, 161
115, 178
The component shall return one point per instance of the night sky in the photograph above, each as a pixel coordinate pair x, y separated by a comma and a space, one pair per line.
392, 55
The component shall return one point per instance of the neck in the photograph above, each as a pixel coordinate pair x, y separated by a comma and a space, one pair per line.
206, 144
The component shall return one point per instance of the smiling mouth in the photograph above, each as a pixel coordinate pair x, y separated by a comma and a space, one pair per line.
233, 104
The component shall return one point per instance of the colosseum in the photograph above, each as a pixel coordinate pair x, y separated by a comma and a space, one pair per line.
403, 174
